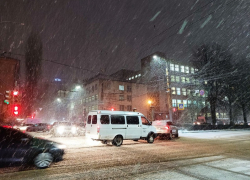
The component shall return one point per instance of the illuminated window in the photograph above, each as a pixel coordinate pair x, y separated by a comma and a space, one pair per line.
177, 68
177, 78
172, 67
192, 70
174, 102
96, 97
182, 69
178, 101
187, 80
172, 78
183, 79
184, 91
186, 69
189, 102
173, 90
121, 87
178, 91
185, 103
93, 98
89, 99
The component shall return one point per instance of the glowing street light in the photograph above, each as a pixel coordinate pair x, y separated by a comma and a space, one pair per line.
78, 87
59, 100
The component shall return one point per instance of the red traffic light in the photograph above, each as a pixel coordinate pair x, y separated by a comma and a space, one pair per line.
174, 109
16, 110
15, 93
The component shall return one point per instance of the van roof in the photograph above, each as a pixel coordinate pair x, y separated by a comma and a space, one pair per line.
115, 112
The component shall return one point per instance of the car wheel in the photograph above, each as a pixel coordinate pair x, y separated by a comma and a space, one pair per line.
43, 160
150, 138
170, 137
117, 141
176, 135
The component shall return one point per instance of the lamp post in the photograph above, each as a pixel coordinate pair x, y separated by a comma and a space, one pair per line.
151, 110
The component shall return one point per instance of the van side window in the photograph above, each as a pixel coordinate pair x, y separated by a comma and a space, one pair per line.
132, 120
104, 119
144, 121
116, 119
89, 120
94, 119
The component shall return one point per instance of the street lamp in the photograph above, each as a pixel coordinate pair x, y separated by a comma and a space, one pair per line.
78, 87
151, 110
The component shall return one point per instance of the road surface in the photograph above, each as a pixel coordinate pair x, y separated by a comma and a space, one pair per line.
195, 155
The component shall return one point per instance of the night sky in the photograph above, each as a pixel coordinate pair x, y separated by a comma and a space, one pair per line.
110, 35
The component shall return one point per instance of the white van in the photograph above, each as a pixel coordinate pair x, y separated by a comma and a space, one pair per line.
116, 126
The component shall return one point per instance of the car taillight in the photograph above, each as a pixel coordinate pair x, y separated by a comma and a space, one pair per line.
48, 126
98, 129
166, 127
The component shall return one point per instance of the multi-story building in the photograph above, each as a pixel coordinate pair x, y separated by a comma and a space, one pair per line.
170, 83
107, 93
163, 81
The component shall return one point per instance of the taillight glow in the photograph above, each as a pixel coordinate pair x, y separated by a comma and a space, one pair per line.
166, 127
98, 129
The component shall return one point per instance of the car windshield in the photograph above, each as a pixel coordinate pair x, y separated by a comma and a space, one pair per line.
166, 81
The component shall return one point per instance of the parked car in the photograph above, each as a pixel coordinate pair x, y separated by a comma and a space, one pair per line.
22, 127
165, 128
20, 148
39, 127
64, 129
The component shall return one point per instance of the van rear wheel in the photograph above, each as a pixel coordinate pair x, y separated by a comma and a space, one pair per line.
117, 141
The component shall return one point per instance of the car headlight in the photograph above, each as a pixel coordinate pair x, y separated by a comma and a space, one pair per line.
60, 129
60, 146
73, 129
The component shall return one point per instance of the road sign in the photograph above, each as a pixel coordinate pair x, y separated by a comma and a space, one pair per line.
202, 92
180, 106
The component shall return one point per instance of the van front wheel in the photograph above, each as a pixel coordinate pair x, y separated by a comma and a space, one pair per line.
117, 141
150, 138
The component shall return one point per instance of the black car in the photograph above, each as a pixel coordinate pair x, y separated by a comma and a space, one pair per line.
20, 148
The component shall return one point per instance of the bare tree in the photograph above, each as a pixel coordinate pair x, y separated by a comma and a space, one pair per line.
214, 67
33, 63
